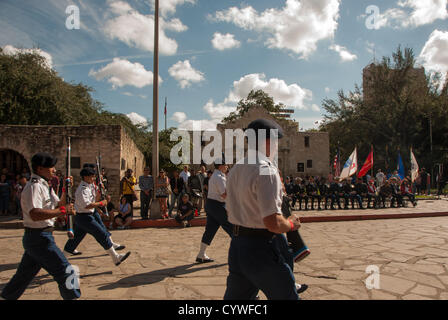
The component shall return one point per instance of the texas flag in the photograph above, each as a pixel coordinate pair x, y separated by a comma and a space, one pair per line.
351, 166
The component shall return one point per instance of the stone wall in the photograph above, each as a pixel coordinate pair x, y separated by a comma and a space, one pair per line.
292, 149
111, 141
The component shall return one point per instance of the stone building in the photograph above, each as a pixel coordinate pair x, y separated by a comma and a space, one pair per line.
118, 151
300, 153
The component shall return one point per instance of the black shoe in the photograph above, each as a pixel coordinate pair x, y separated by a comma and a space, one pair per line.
302, 289
74, 253
204, 260
124, 257
121, 247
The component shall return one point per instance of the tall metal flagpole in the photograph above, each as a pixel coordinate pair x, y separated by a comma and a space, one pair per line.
155, 209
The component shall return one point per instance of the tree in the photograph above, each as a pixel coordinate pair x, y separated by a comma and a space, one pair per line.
257, 98
391, 112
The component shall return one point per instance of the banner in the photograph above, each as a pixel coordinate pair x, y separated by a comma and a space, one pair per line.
414, 167
337, 165
367, 165
351, 166
400, 167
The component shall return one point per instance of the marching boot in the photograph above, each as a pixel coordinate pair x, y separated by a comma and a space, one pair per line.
117, 258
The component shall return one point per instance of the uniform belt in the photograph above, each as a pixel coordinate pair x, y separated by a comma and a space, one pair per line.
252, 233
47, 229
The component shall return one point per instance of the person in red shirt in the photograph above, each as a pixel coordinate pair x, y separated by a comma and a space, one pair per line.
406, 191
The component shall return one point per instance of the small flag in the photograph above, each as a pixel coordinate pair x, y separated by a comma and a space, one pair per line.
351, 166
400, 166
367, 165
414, 167
337, 165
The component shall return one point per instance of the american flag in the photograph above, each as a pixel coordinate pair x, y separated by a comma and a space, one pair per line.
337, 165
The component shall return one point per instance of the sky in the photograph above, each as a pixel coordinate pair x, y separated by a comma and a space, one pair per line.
213, 53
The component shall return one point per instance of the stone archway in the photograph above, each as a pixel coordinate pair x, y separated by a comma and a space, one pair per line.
13, 161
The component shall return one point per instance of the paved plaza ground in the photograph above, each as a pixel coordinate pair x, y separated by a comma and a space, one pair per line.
411, 255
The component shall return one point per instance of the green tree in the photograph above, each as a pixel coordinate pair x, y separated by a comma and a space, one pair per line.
391, 113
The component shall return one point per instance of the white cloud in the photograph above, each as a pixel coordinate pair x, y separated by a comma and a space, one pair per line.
137, 119
434, 55
137, 30
11, 50
168, 7
179, 117
327, 90
224, 41
122, 73
344, 54
297, 27
413, 13
291, 95
185, 74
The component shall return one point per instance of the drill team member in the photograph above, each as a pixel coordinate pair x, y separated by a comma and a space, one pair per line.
215, 209
87, 219
259, 256
40, 208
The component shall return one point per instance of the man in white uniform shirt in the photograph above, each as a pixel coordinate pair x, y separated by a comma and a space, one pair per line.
87, 219
259, 256
41, 206
215, 209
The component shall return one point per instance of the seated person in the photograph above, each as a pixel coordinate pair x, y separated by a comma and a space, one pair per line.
185, 211
373, 194
396, 194
124, 217
111, 210
385, 192
406, 191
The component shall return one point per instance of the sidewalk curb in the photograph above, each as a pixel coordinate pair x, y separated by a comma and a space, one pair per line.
201, 221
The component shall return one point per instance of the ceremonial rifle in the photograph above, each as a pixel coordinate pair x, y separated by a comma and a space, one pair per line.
100, 183
68, 190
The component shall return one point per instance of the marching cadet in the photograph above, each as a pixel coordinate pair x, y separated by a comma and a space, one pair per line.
259, 256
41, 206
215, 209
313, 193
87, 220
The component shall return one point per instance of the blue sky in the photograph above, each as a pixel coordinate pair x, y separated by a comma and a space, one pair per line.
214, 52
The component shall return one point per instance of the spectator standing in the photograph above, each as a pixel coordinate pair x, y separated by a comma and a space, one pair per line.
19, 188
177, 185
146, 184
380, 178
127, 185
185, 174
162, 192
5, 195
26, 174
423, 181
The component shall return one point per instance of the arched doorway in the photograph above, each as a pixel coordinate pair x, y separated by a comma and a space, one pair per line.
14, 162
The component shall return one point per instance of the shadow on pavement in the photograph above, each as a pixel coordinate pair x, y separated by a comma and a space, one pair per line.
157, 276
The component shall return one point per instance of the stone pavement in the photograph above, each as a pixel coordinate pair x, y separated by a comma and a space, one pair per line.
411, 254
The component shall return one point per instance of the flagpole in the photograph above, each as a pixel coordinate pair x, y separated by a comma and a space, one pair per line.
166, 103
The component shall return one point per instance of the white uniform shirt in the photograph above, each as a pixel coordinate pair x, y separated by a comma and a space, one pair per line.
38, 195
185, 175
84, 196
217, 186
252, 196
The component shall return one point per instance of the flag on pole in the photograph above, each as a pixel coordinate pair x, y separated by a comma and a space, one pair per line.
367, 165
400, 166
351, 166
337, 165
414, 167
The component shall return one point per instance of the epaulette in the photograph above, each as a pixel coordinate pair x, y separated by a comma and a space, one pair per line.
34, 180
